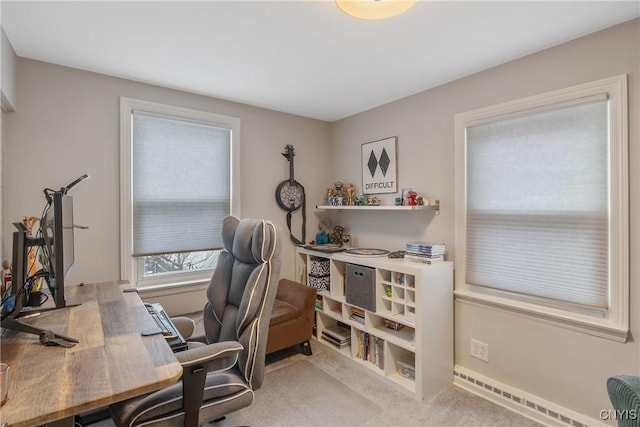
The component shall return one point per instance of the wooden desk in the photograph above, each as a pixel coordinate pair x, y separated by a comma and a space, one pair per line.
112, 362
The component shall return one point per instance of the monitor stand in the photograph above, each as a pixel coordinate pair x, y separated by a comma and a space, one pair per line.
46, 335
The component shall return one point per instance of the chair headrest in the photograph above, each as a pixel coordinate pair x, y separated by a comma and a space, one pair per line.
248, 240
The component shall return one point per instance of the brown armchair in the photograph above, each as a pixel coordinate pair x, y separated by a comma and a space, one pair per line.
292, 317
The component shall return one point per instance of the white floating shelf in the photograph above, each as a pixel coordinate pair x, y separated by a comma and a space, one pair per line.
435, 206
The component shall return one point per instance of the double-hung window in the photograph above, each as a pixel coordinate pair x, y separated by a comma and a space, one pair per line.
179, 172
542, 207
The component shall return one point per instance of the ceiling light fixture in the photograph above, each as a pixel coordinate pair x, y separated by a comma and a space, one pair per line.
374, 9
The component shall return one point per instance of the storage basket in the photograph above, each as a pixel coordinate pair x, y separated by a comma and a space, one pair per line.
321, 283
319, 266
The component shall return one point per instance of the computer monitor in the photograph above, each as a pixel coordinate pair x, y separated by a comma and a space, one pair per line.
56, 227
56, 244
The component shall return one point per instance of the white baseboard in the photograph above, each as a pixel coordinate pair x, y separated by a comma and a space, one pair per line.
521, 402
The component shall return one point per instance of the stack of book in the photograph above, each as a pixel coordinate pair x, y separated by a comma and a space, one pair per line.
370, 349
425, 252
357, 315
338, 335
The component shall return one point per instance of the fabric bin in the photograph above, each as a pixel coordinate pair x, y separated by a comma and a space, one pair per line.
321, 283
360, 286
319, 266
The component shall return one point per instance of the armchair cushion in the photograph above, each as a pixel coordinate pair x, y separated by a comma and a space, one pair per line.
291, 320
283, 311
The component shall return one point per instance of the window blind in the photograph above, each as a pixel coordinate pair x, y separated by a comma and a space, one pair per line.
181, 184
537, 204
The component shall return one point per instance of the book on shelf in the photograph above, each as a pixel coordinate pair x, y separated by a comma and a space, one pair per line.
370, 349
423, 258
338, 333
335, 342
426, 248
357, 315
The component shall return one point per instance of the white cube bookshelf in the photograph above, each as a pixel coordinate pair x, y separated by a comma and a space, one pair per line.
418, 297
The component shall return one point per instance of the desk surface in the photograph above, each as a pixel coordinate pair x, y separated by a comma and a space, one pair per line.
112, 362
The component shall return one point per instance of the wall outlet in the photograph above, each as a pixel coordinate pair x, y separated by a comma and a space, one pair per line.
480, 350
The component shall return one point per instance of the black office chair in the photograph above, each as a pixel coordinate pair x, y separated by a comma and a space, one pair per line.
221, 377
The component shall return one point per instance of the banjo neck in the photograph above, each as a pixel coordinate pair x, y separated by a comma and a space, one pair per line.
291, 180
289, 155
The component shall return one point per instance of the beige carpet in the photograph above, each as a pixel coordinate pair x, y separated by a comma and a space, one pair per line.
301, 394
328, 389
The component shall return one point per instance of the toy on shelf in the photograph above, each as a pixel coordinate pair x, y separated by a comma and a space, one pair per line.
411, 198
341, 195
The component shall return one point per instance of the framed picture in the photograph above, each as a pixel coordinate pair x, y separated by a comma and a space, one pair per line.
379, 173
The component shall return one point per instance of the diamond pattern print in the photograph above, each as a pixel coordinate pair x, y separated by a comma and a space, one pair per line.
384, 162
372, 163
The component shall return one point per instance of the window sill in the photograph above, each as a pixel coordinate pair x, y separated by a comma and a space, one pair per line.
602, 328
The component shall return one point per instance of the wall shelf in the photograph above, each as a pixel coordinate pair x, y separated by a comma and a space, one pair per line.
435, 206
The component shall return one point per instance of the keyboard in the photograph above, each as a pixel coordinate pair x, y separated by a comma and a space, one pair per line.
166, 327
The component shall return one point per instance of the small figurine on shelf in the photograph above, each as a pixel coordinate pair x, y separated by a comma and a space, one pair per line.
364, 200
411, 196
337, 236
340, 195
351, 191
373, 201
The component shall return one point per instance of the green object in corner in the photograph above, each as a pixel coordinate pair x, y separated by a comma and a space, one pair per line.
624, 393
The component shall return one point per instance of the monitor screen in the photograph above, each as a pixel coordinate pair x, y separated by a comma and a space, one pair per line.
58, 236
67, 234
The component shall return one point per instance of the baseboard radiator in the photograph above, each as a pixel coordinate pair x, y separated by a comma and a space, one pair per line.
525, 404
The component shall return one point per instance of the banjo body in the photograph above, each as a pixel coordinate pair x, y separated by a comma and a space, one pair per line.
290, 193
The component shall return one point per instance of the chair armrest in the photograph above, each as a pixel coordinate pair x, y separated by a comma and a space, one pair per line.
215, 357
184, 325
196, 365
297, 294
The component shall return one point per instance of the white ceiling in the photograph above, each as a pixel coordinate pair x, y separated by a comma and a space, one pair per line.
301, 57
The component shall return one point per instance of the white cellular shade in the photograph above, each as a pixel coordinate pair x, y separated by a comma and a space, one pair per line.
181, 184
538, 204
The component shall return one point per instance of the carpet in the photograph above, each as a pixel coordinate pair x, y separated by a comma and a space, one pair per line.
301, 394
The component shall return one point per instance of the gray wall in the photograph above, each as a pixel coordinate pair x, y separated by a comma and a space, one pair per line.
7, 103
566, 367
7, 74
67, 124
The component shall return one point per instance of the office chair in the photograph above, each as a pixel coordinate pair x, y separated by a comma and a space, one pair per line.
220, 377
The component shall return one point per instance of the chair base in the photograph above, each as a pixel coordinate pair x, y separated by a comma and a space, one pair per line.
306, 348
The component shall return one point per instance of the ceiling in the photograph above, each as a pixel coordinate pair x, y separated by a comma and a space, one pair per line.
300, 57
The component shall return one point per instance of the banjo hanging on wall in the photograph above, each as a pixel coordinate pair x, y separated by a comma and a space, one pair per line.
290, 196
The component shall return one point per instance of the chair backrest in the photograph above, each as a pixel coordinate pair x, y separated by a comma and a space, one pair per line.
242, 291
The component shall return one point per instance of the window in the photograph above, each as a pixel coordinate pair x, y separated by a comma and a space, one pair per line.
179, 172
542, 209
